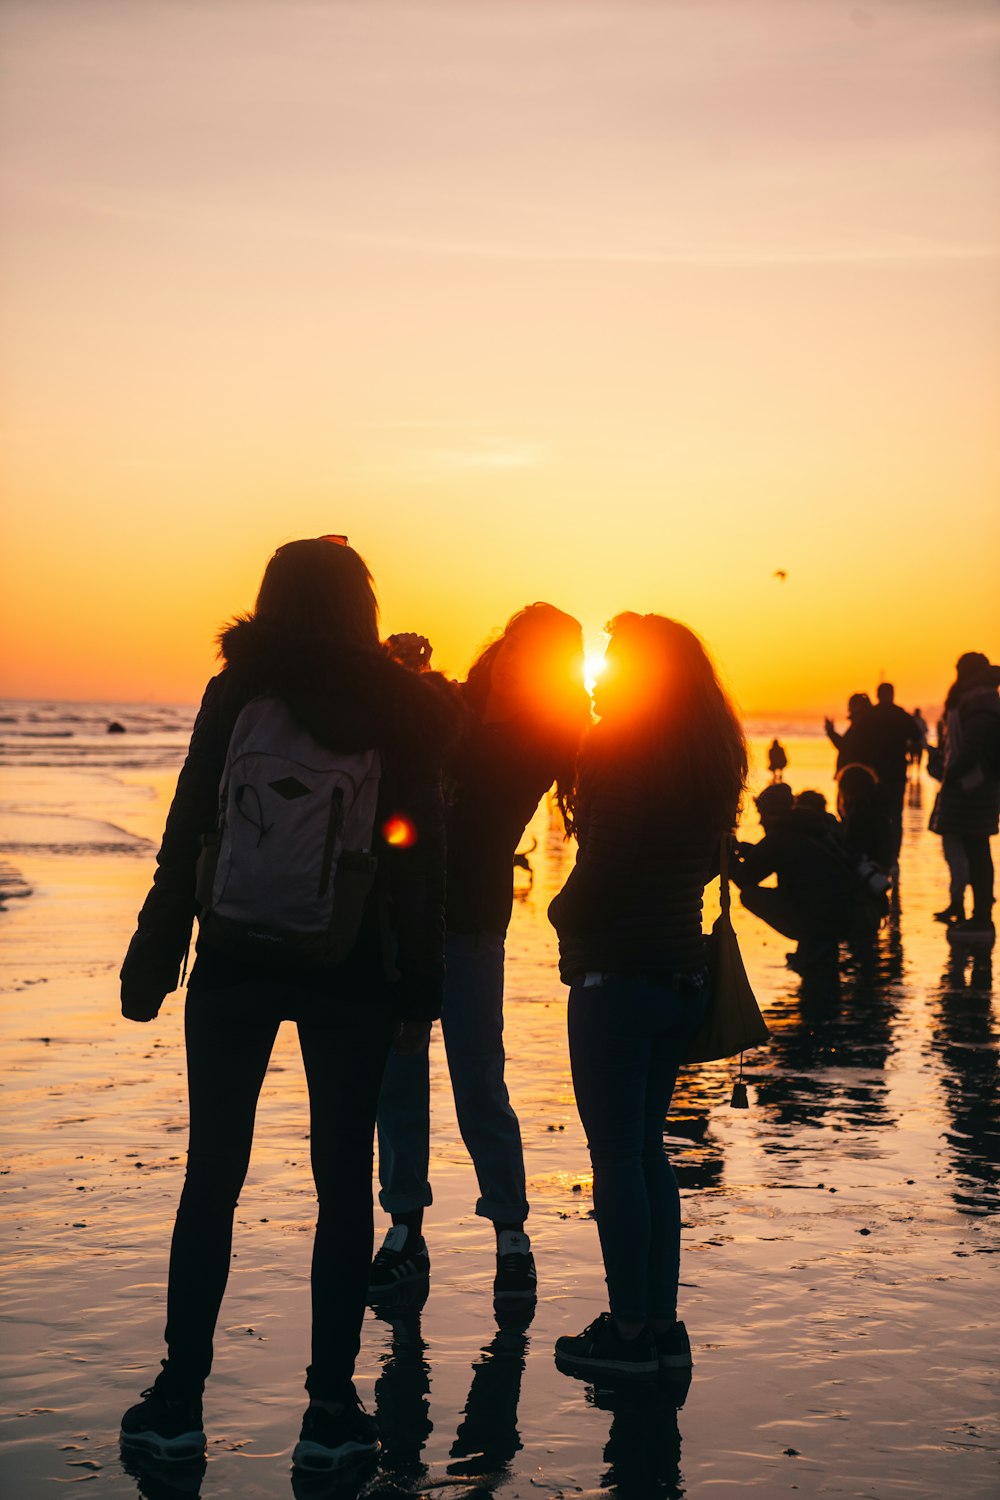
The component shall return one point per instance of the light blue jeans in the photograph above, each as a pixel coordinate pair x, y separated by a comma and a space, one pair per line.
472, 1027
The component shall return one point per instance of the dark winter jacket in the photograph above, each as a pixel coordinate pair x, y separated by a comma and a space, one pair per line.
496, 779
969, 801
348, 700
892, 734
633, 902
858, 745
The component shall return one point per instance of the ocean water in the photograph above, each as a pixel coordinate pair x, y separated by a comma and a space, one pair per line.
840, 1244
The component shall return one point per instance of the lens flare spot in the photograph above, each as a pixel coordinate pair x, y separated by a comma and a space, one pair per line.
399, 832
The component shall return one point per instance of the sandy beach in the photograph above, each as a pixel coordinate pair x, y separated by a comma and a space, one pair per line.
839, 1262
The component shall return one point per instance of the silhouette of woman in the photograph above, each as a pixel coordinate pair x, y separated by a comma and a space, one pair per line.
660, 782
310, 653
527, 708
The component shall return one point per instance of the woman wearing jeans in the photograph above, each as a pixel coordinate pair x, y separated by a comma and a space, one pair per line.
526, 711
660, 783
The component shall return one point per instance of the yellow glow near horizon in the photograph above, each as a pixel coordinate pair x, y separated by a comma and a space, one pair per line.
667, 329
593, 666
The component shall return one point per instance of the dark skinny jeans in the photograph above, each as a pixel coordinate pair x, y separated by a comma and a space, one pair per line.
230, 1032
627, 1039
980, 863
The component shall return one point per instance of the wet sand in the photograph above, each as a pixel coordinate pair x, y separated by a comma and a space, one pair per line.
839, 1261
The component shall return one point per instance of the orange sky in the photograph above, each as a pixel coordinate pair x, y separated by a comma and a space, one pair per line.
619, 304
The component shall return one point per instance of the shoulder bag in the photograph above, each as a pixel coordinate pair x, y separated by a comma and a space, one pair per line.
733, 1022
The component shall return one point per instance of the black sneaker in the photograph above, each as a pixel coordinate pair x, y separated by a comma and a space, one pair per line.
812, 955
167, 1427
973, 932
516, 1279
950, 914
331, 1441
601, 1350
673, 1349
401, 1260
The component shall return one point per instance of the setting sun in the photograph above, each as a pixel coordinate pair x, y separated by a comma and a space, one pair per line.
593, 666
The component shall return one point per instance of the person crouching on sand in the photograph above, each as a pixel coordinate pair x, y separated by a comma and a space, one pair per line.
660, 782
526, 711
310, 749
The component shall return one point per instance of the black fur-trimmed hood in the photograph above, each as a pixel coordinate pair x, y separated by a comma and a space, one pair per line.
347, 697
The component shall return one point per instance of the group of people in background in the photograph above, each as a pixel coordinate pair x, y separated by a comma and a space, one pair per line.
836, 872
450, 774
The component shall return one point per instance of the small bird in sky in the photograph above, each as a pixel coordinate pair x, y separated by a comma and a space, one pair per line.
780, 573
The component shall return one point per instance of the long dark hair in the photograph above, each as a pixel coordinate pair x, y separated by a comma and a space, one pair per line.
672, 718
559, 711
971, 671
319, 589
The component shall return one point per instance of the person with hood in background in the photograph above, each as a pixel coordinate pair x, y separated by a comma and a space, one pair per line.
307, 659
967, 808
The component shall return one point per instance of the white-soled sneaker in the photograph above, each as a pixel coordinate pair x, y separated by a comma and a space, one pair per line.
516, 1279
165, 1426
402, 1259
331, 1440
601, 1350
673, 1349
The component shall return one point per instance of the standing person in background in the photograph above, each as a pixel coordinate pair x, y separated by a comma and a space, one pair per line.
893, 734
920, 744
777, 759
304, 674
853, 746
967, 809
526, 711
661, 778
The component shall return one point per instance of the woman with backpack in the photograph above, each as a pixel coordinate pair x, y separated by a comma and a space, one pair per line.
526, 709
307, 834
660, 782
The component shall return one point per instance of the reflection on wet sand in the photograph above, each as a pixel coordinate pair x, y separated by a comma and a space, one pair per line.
164, 1481
402, 1393
487, 1437
825, 1066
965, 1041
831, 1040
643, 1451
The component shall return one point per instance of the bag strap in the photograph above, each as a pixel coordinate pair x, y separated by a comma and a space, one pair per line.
724, 895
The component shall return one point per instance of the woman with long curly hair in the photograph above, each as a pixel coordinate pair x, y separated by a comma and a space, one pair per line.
660, 781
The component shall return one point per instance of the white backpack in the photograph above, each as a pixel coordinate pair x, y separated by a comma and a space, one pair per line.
286, 873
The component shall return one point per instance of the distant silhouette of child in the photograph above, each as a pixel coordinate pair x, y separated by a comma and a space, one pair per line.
777, 760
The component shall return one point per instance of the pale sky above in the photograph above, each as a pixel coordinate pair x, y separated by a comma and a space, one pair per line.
622, 304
